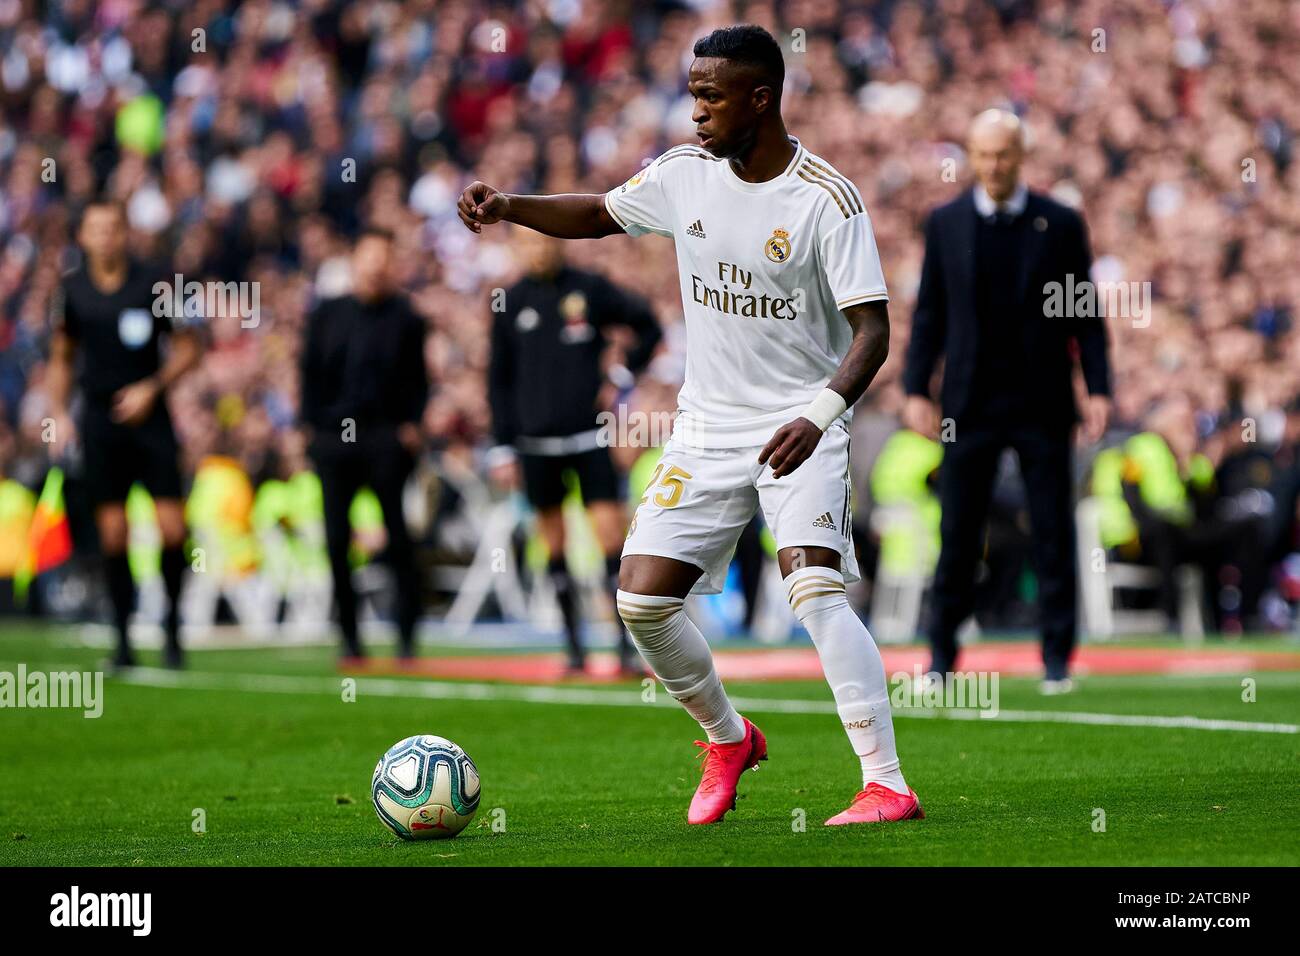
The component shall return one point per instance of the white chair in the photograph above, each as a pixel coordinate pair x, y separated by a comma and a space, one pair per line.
1100, 578
492, 572
253, 597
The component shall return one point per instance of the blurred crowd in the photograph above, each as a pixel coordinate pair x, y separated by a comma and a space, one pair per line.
249, 141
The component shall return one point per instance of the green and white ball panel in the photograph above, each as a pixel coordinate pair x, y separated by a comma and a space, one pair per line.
425, 787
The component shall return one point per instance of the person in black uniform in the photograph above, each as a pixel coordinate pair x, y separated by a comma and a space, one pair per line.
989, 258
552, 372
108, 314
364, 388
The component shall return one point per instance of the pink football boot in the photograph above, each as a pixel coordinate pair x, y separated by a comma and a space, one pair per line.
723, 765
876, 803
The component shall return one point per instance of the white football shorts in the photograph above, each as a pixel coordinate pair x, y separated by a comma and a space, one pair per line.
700, 499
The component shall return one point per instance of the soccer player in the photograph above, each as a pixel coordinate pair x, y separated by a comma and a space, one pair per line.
787, 324
105, 311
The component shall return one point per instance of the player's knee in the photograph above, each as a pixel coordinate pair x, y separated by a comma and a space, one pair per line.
806, 557
813, 590
652, 574
625, 577
651, 620
634, 576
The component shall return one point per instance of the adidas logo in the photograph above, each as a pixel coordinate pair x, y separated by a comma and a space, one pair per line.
696, 229
825, 521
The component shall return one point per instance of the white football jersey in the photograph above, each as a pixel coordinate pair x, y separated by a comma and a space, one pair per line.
764, 269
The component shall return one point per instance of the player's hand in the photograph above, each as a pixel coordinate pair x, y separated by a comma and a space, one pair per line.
480, 205
921, 415
133, 403
1096, 416
790, 447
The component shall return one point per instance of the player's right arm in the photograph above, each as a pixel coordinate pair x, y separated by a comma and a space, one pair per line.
566, 216
644, 204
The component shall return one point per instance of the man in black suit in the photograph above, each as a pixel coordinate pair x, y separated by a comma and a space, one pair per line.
364, 388
991, 257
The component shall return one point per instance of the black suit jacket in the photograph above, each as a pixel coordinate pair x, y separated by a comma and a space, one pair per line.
945, 322
364, 363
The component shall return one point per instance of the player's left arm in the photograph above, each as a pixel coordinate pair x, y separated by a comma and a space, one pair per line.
850, 262
795, 441
133, 403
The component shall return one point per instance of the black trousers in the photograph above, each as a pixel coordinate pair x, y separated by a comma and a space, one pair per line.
384, 465
965, 485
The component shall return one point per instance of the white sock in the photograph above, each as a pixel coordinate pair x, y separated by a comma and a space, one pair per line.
853, 668
679, 655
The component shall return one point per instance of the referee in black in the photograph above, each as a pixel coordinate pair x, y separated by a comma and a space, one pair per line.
105, 315
553, 369
364, 388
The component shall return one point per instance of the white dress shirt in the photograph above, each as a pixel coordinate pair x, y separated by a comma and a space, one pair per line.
1014, 206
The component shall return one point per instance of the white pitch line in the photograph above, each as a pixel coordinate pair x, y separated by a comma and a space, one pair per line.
574, 696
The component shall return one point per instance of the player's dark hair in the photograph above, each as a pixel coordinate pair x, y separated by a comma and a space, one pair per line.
748, 44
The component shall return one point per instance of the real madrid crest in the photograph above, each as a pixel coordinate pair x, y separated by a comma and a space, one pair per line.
778, 247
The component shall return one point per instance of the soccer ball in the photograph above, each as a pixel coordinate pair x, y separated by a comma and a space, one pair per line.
425, 788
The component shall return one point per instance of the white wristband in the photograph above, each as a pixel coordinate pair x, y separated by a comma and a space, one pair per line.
825, 408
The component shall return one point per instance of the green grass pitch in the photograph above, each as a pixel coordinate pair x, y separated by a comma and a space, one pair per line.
281, 765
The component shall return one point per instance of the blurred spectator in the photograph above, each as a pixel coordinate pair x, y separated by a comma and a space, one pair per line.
251, 139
